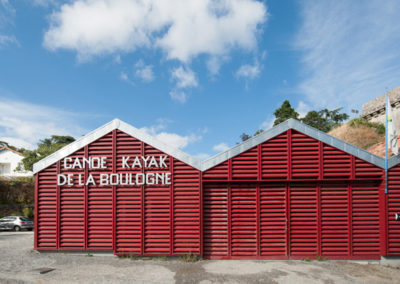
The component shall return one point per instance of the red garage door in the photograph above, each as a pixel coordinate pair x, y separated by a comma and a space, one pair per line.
292, 220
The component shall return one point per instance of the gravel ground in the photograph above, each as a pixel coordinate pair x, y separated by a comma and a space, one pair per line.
19, 263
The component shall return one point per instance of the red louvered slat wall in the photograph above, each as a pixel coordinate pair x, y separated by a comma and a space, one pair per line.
126, 219
328, 204
393, 207
46, 209
289, 197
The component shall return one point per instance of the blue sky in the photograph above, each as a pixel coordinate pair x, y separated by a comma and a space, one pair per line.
196, 74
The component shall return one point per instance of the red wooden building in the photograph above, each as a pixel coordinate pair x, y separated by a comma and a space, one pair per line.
290, 192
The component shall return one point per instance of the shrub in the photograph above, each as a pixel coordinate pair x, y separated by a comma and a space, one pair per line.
28, 212
358, 133
380, 128
190, 257
17, 191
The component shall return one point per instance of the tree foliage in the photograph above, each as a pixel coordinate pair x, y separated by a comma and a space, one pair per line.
45, 147
324, 120
284, 113
244, 136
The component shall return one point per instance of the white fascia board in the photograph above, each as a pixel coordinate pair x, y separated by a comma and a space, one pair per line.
217, 159
154, 142
76, 145
301, 127
393, 161
107, 128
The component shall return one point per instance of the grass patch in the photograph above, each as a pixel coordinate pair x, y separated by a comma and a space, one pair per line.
360, 133
160, 258
380, 128
190, 257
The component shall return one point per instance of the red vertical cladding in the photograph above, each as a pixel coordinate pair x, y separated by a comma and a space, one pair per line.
393, 207
72, 206
35, 241
219, 172
334, 228
243, 220
99, 203
215, 220
366, 221
128, 203
305, 151
186, 209
336, 163
157, 209
244, 166
46, 225
273, 219
303, 219
274, 160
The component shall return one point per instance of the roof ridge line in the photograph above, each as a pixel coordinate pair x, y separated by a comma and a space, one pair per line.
216, 159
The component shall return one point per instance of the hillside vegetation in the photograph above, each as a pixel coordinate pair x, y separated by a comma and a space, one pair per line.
360, 133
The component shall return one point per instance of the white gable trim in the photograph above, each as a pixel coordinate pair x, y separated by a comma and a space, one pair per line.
107, 128
213, 161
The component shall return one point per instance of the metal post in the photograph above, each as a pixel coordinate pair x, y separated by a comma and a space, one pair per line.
386, 141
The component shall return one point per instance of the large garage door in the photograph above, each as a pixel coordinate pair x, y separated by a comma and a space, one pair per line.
292, 220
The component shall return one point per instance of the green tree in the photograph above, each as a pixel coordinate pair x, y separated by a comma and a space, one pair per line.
325, 119
244, 136
284, 113
4, 144
45, 147
315, 119
259, 131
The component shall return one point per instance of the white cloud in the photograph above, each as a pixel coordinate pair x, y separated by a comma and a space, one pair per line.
184, 79
17, 142
249, 71
44, 3
8, 39
24, 124
124, 77
350, 51
302, 109
117, 59
178, 95
182, 29
173, 139
268, 123
7, 14
213, 65
144, 72
221, 147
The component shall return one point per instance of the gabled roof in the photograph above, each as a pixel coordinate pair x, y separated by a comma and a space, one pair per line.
8, 148
301, 127
213, 161
107, 128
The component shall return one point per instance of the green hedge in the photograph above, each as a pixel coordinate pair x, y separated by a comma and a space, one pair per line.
17, 190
